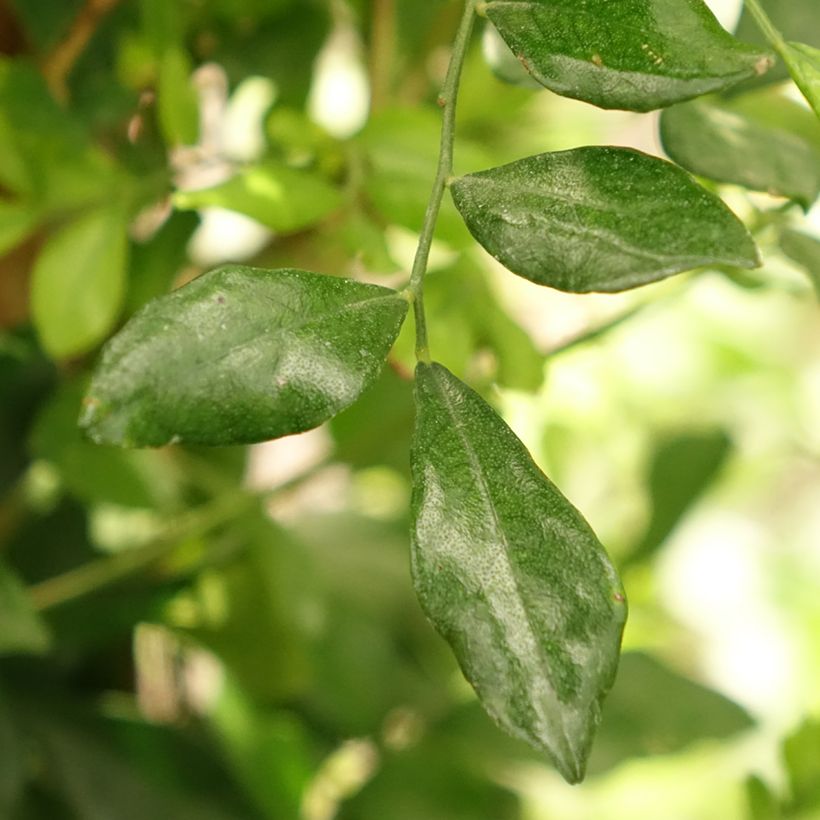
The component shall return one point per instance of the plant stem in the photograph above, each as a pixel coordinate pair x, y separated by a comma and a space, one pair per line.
95, 575
447, 100
765, 24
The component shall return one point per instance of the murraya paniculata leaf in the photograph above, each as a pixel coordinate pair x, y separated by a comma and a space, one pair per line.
241, 355
715, 142
510, 574
804, 66
632, 54
599, 219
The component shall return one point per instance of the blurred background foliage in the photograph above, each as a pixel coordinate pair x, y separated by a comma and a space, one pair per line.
232, 633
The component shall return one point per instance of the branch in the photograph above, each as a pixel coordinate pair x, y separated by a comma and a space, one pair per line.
57, 65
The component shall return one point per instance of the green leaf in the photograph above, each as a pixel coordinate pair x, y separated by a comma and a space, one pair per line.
801, 753
805, 250
804, 66
16, 222
282, 198
599, 219
634, 54
763, 805
13, 769
511, 574
712, 141
681, 471
241, 355
21, 630
653, 710
503, 62
78, 282
177, 104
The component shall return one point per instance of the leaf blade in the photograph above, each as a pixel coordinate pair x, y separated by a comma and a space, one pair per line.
241, 355
514, 579
636, 55
579, 220
803, 62
726, 146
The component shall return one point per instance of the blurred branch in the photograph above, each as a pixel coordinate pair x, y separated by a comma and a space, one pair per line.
382, 51
57, 65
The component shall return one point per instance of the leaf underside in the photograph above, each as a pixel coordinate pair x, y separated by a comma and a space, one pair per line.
637, 55
599, 219
241, 355
510, 574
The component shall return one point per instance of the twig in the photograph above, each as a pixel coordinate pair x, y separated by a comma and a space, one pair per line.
57, 65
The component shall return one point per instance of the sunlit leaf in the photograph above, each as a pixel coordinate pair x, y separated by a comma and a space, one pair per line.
804, 66
712, 141
510, 574
240, 355
634, 54
599, 219
78, 282
279, 197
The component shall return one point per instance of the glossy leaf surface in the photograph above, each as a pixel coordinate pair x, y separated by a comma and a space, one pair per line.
599, 219
241, 355
511, 574
712, 141
804, 66
634, 54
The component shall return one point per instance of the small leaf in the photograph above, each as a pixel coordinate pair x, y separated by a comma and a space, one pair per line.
599, 219
21, 629
241, 355
804, 66
681, 471
653, 710
511, 574
177, 105
805, 250
79, 282
634, 54
282, 198
714, 142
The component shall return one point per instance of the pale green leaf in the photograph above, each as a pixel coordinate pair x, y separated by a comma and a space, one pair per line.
241, 355
804, 66
510, 574
78, 282
632, 54
599, 219
279, 197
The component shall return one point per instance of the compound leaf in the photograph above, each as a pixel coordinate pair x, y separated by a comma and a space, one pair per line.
714, 142
510, 574
599, 219
241, 355
633, 54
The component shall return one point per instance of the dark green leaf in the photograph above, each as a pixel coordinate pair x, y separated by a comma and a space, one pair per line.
511, 574
682, 469
633, 54
78, 282
805, 250
712, 141
804, 66
21, 629
282, 198
241, 355
653, 710
599, 219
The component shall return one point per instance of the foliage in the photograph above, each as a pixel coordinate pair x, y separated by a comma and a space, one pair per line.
179, 640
